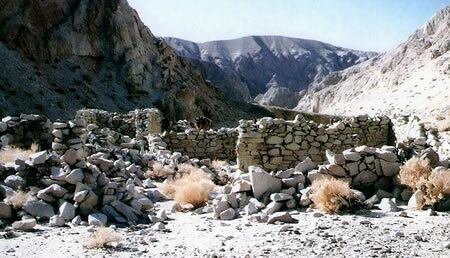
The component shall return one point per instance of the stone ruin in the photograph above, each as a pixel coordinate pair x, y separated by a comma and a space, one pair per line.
91, 169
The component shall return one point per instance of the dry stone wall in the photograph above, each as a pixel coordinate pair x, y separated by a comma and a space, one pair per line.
25, 130
137, 123
278, 144
362, 166
212, 144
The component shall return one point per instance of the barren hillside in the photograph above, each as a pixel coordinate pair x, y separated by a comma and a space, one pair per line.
413, 78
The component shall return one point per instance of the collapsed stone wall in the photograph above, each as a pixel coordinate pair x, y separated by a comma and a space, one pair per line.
279, 144
362, 167
137, 123
413, 133
25, 130
212, 144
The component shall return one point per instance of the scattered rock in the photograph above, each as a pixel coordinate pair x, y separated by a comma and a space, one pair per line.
24, 225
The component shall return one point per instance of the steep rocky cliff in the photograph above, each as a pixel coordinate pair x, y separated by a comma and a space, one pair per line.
61, 55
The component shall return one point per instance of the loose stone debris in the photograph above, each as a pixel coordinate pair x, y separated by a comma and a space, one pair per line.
94, 171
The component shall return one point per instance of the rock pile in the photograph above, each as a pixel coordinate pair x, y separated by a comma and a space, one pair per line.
25, 130
362, 166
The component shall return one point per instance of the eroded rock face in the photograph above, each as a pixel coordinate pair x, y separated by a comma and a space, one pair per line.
86, 53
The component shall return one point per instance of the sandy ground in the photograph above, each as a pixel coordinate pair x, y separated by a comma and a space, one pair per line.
366, 234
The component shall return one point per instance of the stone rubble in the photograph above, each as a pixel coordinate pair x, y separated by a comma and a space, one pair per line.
92, 171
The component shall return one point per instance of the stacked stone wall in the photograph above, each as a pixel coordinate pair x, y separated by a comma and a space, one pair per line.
25, 130
278, 144
212, 144
137, 123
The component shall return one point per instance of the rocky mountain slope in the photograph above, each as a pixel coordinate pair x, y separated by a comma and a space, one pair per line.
412, 78
245, 67
60, 56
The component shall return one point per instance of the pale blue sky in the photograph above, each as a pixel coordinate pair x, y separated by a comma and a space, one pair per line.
377, 25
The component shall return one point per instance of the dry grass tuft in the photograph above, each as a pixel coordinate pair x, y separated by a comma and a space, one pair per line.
158, 172
415, 173
193, 186
331, 195
217, 165
10, 153
437, 186
17, 199
102, 238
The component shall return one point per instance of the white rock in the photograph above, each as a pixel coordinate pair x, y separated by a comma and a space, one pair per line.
97, 219
67, 211
279, 197
77, 220
14, 181
253, 206
416, 201
305, 166
39, 209
352, 156
38, 158
241, 186
56, 221
388, 205
24, 225
284, 217
273, 207
75, 176
228, 214
263, 182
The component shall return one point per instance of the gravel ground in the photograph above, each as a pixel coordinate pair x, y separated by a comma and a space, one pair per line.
366, 234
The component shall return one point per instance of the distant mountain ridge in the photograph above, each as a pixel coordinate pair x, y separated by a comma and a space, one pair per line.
243, 68
413, 78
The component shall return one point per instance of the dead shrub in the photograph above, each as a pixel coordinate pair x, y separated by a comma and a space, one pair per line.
17, 199
102, 238
10, 153
437, 186
415, 173
217, 165
158, 172
192, 187
331, 195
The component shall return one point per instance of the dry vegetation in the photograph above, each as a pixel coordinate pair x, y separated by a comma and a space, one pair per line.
17, 199
158, 172
217, 165
437, 186
417, 174
192, 187
10, 153
331, 195
102, 238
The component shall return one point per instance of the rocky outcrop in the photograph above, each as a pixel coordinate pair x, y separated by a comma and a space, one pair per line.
413, 78
244, 67
61, 56
279, 96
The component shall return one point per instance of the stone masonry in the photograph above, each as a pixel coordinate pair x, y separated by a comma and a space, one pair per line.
277, 144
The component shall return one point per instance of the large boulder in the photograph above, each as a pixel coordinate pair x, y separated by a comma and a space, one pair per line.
39, 209
263, 182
